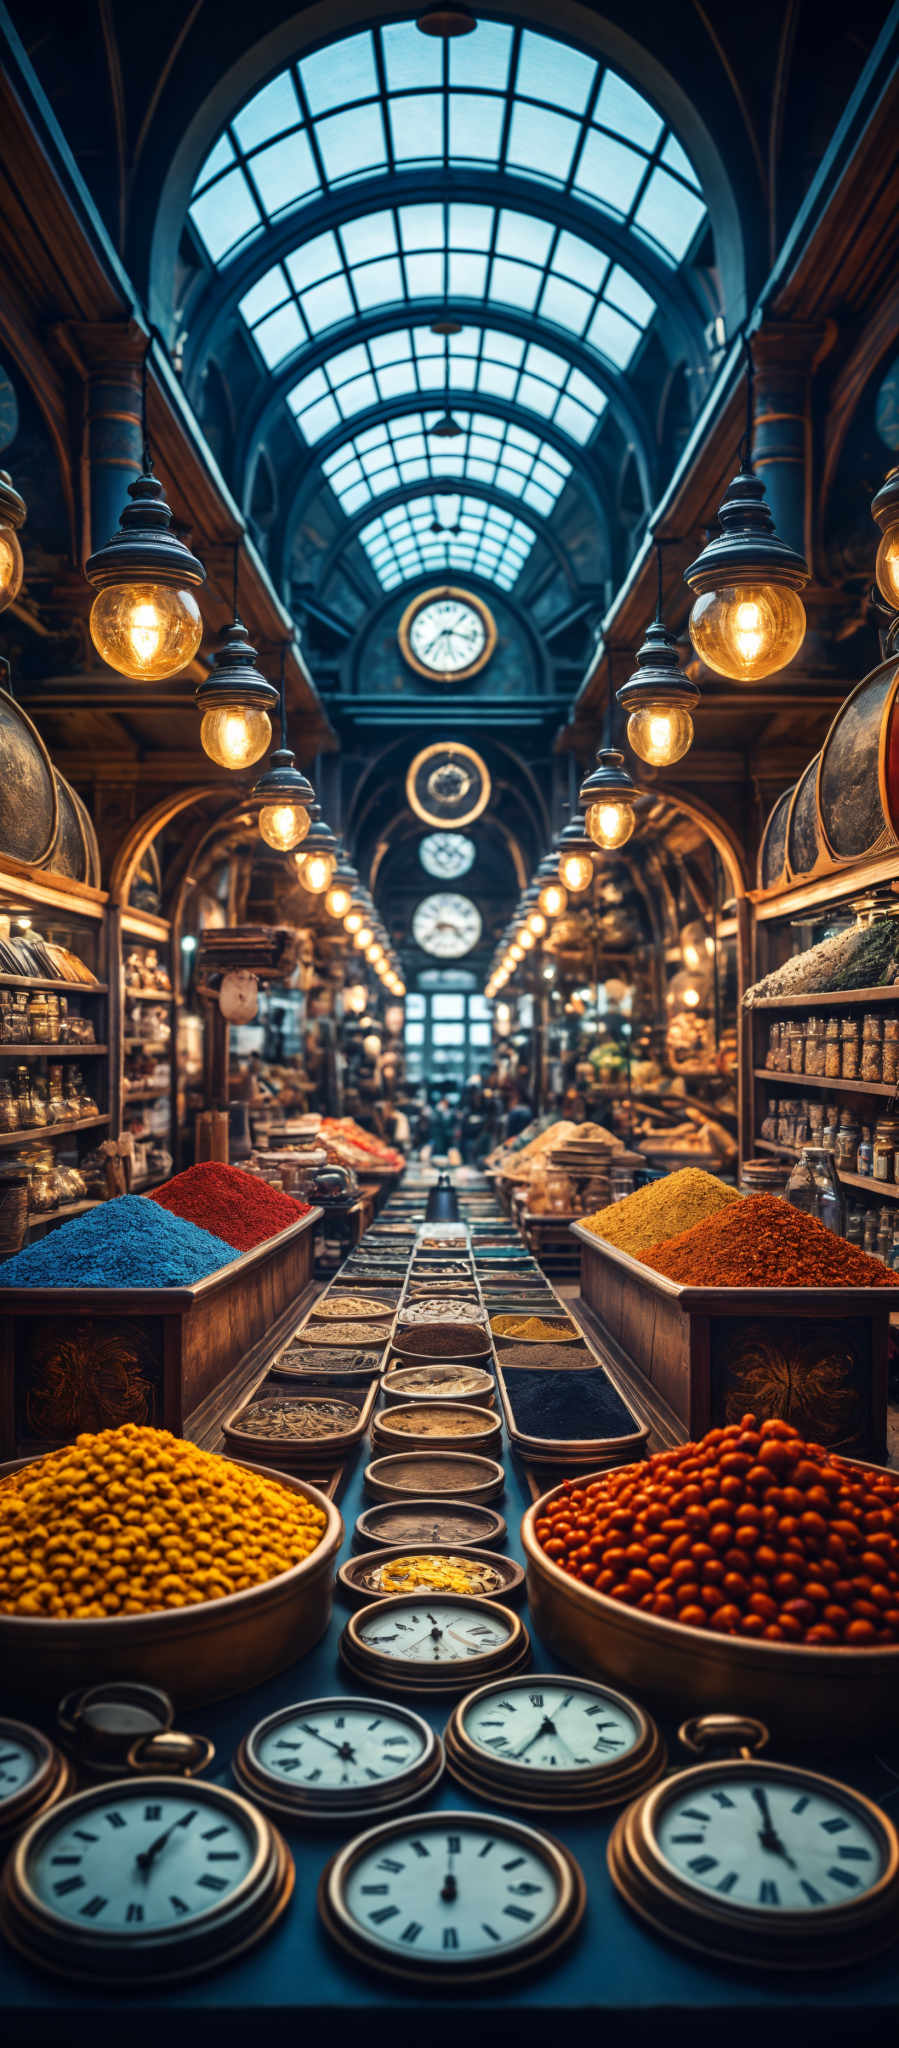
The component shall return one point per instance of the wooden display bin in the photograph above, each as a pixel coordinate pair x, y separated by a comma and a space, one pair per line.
75, 1359
815, 1356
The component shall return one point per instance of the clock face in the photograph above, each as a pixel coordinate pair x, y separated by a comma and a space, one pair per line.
22, 1756
770, 1842
448, 784
446, 855
446, 925
549, 1725
339, 1745
129, 1860
434, 1632
461, 1892
447, 634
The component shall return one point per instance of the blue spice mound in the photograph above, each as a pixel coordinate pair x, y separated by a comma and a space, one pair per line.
566, 1404
128, 1242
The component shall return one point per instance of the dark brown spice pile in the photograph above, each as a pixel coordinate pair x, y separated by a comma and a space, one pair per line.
764, 1242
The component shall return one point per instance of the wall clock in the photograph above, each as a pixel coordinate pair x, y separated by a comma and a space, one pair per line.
144, 1881
452, 1898
339, 1759
446, 925
447, 634
759, 1863
441, 1644
33, 1775
447, 855
448, 784
547, 1742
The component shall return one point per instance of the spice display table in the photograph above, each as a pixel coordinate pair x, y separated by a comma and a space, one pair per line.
617, 1981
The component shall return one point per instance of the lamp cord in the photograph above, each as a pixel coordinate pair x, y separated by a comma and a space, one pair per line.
146, 456
658, 618
235, 570
282, 696
746, 443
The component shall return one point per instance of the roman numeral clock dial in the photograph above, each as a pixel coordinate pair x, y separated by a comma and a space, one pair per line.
144, 1881
421, 1646
447, 635
452, 1897
339, 1759
549, 1743
760, 1863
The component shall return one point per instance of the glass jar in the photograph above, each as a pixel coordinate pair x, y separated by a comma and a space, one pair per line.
53, 1008
891, 1051
9, 1107
886, 1144
872, 1048
39, 1019
769, 1123
64, 1020
830, 1126
884, 1234
40, 1114
797, 1048
814, 1187
865, 1162
763, 1177
814, 1046
846, 1147
56, 1102
23, 1093
854, 1227
43, 1187
19, 1019
849, 1048
832, 1049
870, 1232
771, 1053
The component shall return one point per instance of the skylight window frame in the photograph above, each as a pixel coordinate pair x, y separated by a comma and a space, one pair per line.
405, 548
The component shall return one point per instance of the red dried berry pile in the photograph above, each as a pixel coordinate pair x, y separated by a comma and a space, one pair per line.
752, 1531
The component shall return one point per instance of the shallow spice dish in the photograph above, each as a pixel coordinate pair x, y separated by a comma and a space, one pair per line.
441, 1474
417, 1425
296, 1451
451, 1343
802, 1692
439, 1383
359, 1580
199, 1653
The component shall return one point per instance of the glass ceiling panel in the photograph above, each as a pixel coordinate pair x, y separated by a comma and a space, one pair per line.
494, 255
488, 451
390, 98
412, 363
447, 532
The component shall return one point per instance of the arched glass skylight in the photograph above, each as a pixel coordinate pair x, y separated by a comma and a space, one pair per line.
392, 99
475, 537
494, 256
488, 451
411, 364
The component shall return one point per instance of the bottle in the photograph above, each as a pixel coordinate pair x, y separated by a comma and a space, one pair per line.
865, 1158
871, 1232
884, 1234
814, 1187
854, 1228
894, 1249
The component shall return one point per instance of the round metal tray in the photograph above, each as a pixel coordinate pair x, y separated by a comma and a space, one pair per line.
353, 1576
198, 1653
800, 1692
403, 1384
443, 1474
387, 1435
414, 1524
418, 1347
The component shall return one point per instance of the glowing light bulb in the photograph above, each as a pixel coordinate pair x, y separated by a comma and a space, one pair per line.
12, 566
553, 899
747, 631
338, 900
235, 735
516, 954
537, 923
610, 822
363, 938
527, 939
691, 998
660, 733
886, 567
356, 998
146, 630
283, 825
316, 872
576, 871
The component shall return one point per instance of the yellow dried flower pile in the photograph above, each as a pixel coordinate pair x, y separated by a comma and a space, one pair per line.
661, 1210
132, 1520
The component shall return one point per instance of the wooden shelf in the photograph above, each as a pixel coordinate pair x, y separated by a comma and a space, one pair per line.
59, 988
64, 1214
28, 1051
865, 1181
146, 1094
796, 1082
147, 1044
154, 995
828, 999
9, 1139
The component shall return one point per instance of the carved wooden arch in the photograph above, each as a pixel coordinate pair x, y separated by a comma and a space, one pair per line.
147, 828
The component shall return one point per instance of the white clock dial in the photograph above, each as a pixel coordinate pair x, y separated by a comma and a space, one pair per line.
446, 855
433, 1632
339, 1744
549, 1725
456, 1887
446, 925
447, 635
139, 1859
770, 1842
20, 1760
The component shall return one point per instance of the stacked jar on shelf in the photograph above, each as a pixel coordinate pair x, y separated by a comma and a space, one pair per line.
835, 1048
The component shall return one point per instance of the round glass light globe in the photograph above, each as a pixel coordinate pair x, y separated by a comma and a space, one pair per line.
147, 631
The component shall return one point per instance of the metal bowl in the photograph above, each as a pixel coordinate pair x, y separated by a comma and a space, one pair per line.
801, 1693
484, 1429
468, 1383
196, 1653
419, 1343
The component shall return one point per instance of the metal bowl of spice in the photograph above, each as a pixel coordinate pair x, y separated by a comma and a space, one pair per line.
455, 1474
456, 1342
301, 1429
435, 1568
447, 1426
349, 1308
449, 1309
439, 1383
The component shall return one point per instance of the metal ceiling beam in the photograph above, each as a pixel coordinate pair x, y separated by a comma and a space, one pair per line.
406, 494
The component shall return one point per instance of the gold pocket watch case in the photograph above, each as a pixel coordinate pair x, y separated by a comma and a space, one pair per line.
428, 1645
339, 1759
548, 1744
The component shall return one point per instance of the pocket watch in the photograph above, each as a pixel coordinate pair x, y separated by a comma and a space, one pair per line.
756, 1862
438, 1645
452, 1898
547, 1742
33, 1775
144, 1881
339, 1759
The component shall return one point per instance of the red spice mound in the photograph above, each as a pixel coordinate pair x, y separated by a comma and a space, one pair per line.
764, 1242
234, 1205
752, 1531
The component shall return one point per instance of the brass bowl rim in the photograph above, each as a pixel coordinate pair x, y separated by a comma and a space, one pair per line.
676, 1633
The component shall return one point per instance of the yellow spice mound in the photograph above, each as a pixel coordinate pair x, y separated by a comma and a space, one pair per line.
661, 1210
132, 1520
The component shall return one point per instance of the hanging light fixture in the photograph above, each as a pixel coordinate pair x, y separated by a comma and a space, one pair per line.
145, 621
355, 999
748, 619
354, 919
362, 939
609, 795
317, 864
283, 794
659, 698
12, 564
339, 899
235, 699
885, 509
575, 858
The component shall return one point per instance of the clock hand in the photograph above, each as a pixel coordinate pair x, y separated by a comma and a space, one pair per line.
547, 1727
768, 1835
147, 1857
344, 1749
449, 1890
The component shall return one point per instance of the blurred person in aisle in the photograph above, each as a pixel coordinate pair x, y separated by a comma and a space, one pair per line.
443, 1125
519, 1113
474, 1135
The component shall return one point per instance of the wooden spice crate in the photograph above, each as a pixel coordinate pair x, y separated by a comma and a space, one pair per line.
571, 1454
91, 1358
815, 1356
